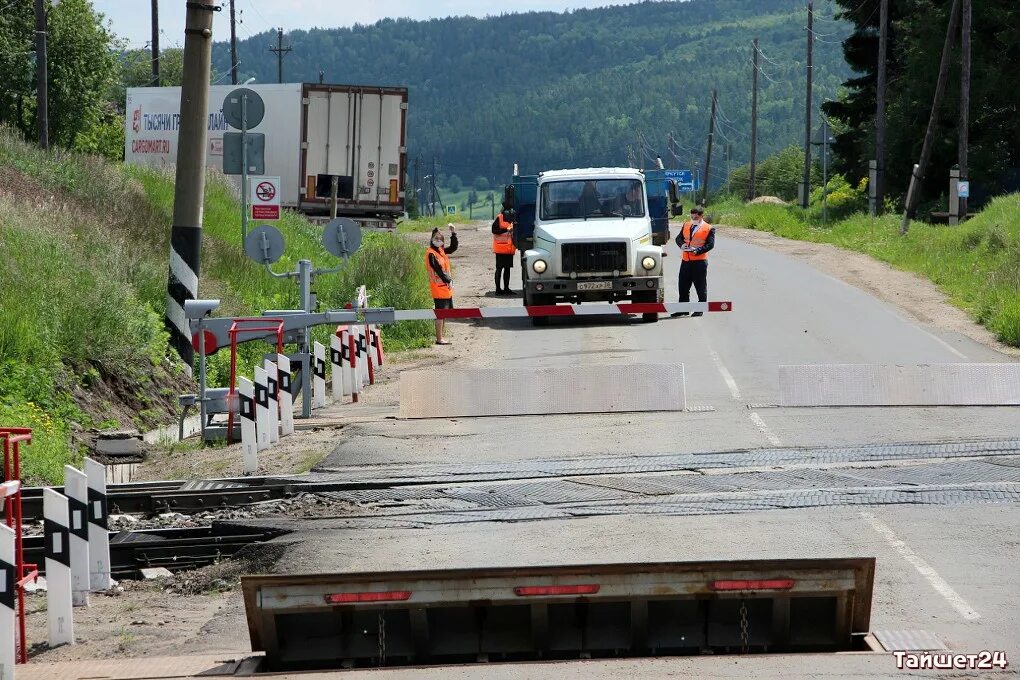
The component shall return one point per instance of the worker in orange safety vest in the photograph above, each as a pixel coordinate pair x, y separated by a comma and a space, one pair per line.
696, 239
437, 265
504, 248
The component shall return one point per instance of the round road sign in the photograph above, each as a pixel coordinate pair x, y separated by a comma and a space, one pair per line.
255, 108
341, 237
264, 244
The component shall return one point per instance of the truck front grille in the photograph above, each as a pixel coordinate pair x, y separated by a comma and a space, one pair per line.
589, 258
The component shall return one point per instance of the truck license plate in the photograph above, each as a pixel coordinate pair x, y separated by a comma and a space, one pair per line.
595, 285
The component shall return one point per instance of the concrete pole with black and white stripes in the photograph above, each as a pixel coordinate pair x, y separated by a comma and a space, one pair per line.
99, 535
186, 230
56, 534
76, 487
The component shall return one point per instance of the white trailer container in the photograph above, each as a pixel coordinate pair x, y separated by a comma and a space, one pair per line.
313, 132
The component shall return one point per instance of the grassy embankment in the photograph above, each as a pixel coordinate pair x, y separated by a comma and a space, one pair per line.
977, 264
83, 244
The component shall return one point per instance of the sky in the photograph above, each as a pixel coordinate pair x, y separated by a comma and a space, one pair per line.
130, 18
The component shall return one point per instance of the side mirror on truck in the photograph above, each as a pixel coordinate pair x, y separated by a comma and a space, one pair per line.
677, 209
674, 192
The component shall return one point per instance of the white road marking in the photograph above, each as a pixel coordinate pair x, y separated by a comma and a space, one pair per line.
766, 430
727, 376
923, 568
941, 342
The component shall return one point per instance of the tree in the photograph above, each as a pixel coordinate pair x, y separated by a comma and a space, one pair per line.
454, 184
917, 30
82, 68
777, 175
481, 183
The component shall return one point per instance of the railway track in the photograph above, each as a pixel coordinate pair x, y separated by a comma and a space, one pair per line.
174, 549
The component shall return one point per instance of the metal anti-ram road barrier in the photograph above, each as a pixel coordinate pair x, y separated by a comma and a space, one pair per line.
970, 384
445, 393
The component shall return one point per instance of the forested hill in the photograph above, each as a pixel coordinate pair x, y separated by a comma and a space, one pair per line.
579, 88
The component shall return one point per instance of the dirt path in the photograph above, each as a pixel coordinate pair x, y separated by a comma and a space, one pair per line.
916, 297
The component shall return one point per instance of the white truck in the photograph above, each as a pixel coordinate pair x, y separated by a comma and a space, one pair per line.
357, 133
593, 234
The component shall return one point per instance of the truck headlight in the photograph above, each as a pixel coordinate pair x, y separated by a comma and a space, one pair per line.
539, 266
648, 263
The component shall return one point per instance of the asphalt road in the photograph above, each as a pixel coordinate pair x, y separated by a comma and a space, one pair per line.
949, 569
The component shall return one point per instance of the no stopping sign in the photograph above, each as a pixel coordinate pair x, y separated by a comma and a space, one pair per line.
265, 198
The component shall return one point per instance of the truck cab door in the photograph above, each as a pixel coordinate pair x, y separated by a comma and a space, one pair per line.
522, 196
657, 189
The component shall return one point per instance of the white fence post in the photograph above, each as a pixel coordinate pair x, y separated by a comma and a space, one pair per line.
318, 375
8, 602
273, 392
336, 369
261, 409
286, 381
76, 487
246, 409
58, 568
99, 534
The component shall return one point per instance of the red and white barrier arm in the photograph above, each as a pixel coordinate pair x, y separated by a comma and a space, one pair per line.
555, 310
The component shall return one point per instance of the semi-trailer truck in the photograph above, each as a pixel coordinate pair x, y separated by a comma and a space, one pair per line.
314, 132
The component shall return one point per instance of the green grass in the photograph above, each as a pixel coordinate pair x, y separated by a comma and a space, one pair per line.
977, 264
84, 247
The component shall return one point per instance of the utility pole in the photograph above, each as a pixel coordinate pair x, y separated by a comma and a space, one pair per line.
805, 199
417, 184
42, 111
233, 45
186, 229
964, 125
917, 175
280, 50
880, 94
754, 124
154, 43
708, 156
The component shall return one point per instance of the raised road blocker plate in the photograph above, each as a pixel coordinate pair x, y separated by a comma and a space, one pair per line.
971, 384
445, 393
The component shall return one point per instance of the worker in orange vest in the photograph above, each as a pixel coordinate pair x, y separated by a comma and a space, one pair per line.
437, 265
503, 247
696, 239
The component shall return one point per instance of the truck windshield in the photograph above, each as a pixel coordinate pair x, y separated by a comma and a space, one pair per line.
582, 199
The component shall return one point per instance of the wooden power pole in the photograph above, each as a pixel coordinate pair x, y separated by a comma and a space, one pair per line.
42, 111
964, 126
189, 188
880, 94
917, 175
806, 198
280, 50
154, 43
708, 155
754, 123
233, 45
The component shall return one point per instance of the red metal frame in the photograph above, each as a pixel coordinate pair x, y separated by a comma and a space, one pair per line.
24, 573
277, 328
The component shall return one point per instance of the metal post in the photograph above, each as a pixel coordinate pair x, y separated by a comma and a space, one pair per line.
189, 188
201, 378
244, 167
155, 43
873, 188
304, 274
333, 191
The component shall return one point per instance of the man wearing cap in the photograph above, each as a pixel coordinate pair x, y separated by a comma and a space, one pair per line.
696, 239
